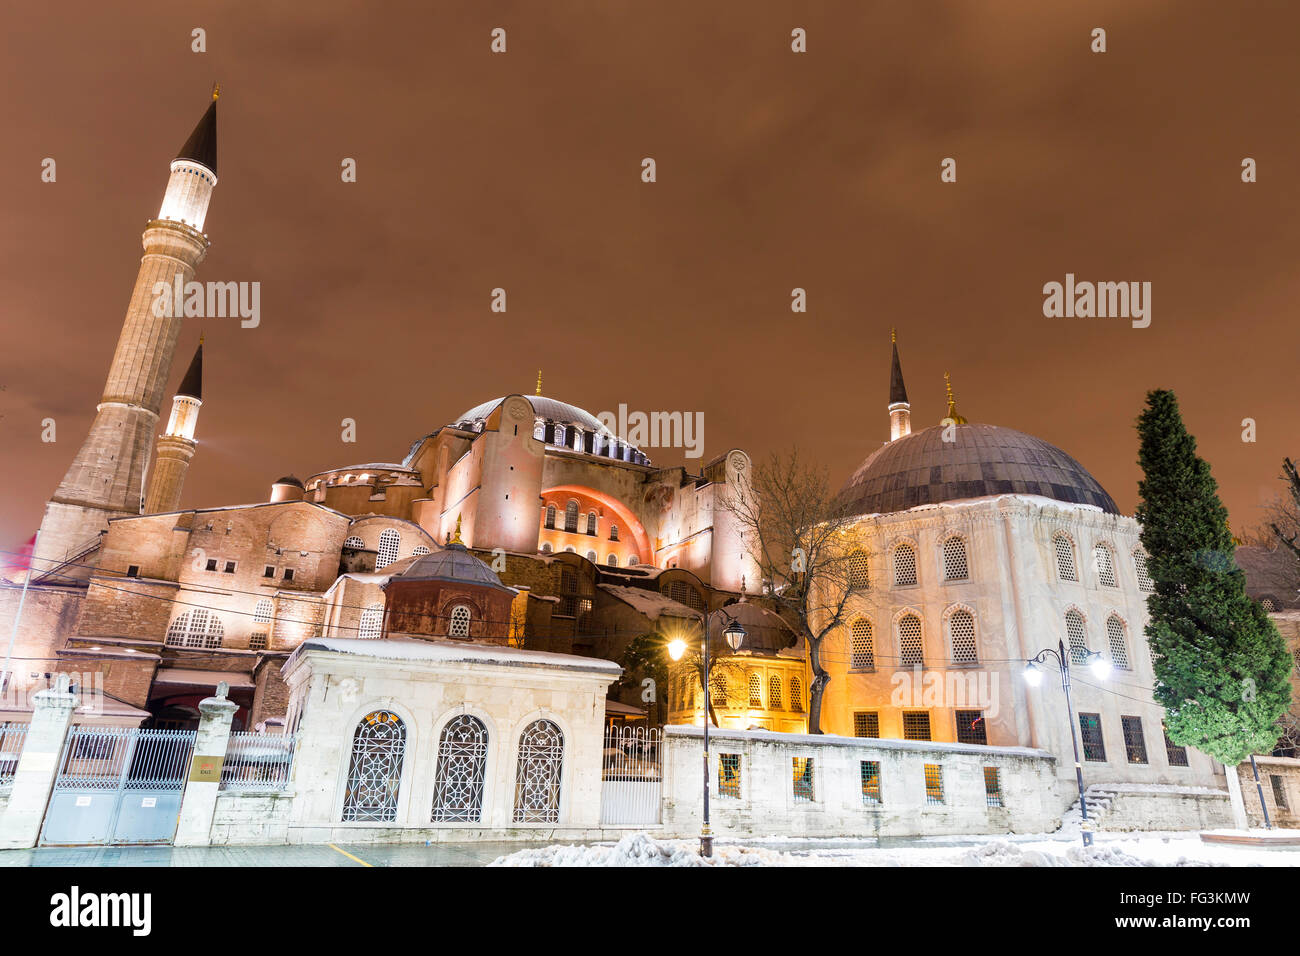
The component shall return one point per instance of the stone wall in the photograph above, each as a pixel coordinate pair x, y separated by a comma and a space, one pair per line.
251, 818
1122, 807
1287, 772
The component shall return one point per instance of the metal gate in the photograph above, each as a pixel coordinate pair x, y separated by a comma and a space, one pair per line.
631, 789
118, 785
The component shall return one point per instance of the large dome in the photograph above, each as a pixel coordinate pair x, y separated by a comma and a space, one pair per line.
560, 412
924, 469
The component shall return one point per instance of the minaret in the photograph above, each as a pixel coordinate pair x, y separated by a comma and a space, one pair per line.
106, 478
176, 447
900, 409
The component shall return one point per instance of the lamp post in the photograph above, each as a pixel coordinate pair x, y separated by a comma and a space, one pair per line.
1034, 676
735, 635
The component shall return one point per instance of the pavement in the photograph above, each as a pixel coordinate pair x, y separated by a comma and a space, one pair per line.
324, 855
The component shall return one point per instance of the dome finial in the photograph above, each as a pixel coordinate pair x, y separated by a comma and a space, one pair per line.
455, 539
216, 92
952, 402
539, 382
893, 336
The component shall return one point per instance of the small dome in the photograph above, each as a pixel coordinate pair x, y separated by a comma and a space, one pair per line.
289, 480
765, 632
451, 563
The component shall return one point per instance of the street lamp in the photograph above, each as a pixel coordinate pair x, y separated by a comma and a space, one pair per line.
1100, 668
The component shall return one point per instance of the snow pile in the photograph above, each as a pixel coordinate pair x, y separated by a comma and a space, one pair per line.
639, 849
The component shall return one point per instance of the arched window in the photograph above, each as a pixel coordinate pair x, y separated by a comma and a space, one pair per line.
196, 628
954, 559
683, 593
571, 517
420, 551
262, 613
859, 570
1116, 633
462, 768
1077, 632
612, 561
1269, 605
372, 622
591, 556
863, 652
774, 693
459, 626
613, 532
550, 517
718, 682
577, 438
1140, 571
755, 691
546, 547
633, 561
1105, 560
389, 542
354, 541
961, 635
904, 565
559, 435
796, 695
591, 522
1064, 557
375, 773
539, 430
911, 650
537, 774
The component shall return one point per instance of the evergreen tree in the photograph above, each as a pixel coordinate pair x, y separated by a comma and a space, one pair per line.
1221, 668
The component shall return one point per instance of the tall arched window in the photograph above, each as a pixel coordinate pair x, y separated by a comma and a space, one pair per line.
1077, 632
462, 768
633, 561
1141, 572
262, 613
550, 517
1105, 560
612, 561
591, 522
354, 541
954, 559
755, 691
904, 565
774, 693
459, 626
591, 556
911, 648
539, 430
863, 652
559, 435
1117, 635
546, 547
571, 517
372, 622
537, 774
859, 570
796, 695
718, 682
375, 773
389, 542
196, 628
1064, 557
961, 635
613, 532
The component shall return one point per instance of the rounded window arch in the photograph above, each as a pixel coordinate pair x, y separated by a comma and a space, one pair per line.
262, 613
633, 561
198, 627
796, 695
612, 561
961, 637
863, 649
592, 557
458, 625
721, 693
375, 770
537, 773
546, 547
955, 565
354, 541
462, 770
571, 516
1104, 558
389, 543
911, 644
755, 691
904, 565
613, 532
559, 436
1140, 571
774, 693
550, 517
372, 622
1063, 546
1076, 630
591, 522
1117, 637
859, 570
539, 430
420, 551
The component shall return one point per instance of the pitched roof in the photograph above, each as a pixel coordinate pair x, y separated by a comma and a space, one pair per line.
202, 144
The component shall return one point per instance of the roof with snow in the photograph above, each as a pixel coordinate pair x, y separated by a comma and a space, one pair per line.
450, 652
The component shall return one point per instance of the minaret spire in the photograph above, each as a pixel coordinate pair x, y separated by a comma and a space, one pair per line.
900, 409
953, 415
176, 447
539, 382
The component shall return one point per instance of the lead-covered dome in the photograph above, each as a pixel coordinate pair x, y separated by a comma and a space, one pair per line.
924, 469
452, 563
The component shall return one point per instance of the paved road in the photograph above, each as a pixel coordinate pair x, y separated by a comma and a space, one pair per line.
404, 854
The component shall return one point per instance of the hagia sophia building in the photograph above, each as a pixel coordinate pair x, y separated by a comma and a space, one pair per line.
525, 521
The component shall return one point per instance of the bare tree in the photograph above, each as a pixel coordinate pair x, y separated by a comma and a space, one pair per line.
799, 532
720, 666
1284, 516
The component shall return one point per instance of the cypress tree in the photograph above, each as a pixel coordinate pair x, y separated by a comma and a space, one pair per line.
1221, 668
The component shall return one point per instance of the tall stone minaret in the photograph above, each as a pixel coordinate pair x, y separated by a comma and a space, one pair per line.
106, 478
176, 445
900, 409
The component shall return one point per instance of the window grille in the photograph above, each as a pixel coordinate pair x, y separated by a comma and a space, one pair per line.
683, 593
719, 684
571, 517
262, 613
803, 779
353, 541
961, 633
1279, 792
859, 571
971, 727
459, 626
462, 768
372, 620
863, 650
1105, 565
257, 641
774, 693
1078, 636
911, 652
375, 773
612, 561
796, 695
550, 517
1064, 558
591, 522
1295, 656
389, 542
1118, 644
1269, 605
546, 547
866, 723
933, 783
633, 561
729, 776
196, 628
420, 551
591, 556
559, 436
871, 782
992, 787
613, 532
1140, 569
537, 776
1176, 755
568, 606
904, 566
916, 725
954, 560
1135, 744
1094, 747
755, 691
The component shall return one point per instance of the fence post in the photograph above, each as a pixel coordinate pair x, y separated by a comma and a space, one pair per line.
199, 802
52, 708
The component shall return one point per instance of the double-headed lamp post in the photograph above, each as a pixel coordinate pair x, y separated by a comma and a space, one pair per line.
735, 635
1034, 676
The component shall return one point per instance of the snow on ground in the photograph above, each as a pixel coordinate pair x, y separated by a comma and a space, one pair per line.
1110, 849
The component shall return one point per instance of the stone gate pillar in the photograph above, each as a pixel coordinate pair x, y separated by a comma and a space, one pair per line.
200, 800
52, 708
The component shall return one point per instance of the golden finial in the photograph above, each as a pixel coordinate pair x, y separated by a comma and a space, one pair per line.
893, 336
455, 539
539, 382
200, 338
216, 91
952, 402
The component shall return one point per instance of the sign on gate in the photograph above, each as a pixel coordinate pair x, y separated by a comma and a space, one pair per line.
631, 776
118, 785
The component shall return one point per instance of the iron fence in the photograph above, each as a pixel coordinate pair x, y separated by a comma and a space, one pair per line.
12, 737
631, 775
112, 758
257, 761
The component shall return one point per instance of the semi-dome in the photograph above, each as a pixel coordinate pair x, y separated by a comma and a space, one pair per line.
451, 563
923, 469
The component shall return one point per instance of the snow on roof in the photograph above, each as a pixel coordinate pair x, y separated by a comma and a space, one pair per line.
650, 603
401, 649
885, 743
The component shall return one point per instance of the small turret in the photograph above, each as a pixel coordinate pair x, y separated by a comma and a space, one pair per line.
176, 446
288, 488
900, 409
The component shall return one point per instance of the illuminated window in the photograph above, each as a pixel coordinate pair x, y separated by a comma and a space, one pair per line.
961, 634
871, 782
550, 517
910, 646
571, 517
1140, 569
353, 541
866, 723
389, 542
718, 682
796, 695
863, 650
774, 693
1269, 605
1078, 635
262, 613
992, 787
1105, 561
904, 566
459, 626
729, 776
859, 570
372, 620
1115, 632
916, 725
1064, 557
954, 560
802, 768
196, 628
591, 522
971, 728
755, 691
933, 783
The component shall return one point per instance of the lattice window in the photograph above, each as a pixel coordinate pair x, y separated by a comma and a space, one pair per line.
1115, 633
859, 571
372, 622
633, 561
546, 547
389, 542
863, 651
729, 776
910, 646
537, 777
420, 551
774, 693
916, 725
796, 695
1105, 561
1176, 755
870, 782
961, 635
613, 532
683, 593
954, 560
375, 773
1064, 557
904, 565
550, 517
592, 557
559, 436
1269, 605
971, 727
462, 768
1140, 570
804, 790
1094, 747
459, 626
196, 628
718, 683
1279, 791
755, 691
591, 522
992, 787
257, 641
612, 561
1135, 743
353, 541
866, 723
262, 612
571, 517
933, 783
1077, 632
